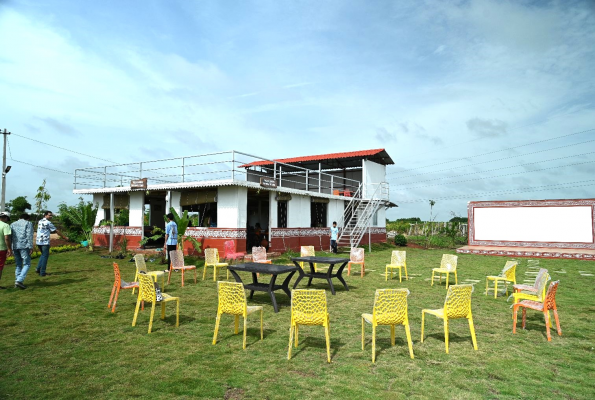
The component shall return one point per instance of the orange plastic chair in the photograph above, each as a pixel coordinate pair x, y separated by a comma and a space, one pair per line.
147, 293
447, 265
232, 300
545, 307
390, 308
308, 307
336, 192
118, 284
177, 264
259, 255
508, 274
356, 256
456, 305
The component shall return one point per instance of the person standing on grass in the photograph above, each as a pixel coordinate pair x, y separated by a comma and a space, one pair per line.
44, 229
5, 245
22, 247
334, 236
171, 236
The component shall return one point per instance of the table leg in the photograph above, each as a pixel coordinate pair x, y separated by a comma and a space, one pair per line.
340, 276
285, 285
329, 278
301, 272
236, 276
254, 280
272, 293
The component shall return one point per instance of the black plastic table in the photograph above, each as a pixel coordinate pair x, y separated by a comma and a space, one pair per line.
271, 269
328, 275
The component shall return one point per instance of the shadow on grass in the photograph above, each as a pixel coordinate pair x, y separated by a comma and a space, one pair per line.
252, 335
71, 272
48, 283
318, 343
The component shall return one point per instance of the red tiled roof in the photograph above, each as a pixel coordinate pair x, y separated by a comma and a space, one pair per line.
331, 156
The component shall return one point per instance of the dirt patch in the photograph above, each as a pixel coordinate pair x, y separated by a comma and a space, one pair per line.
234, 394
415, 246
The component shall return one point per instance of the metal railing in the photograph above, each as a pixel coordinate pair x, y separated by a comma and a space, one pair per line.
230, 165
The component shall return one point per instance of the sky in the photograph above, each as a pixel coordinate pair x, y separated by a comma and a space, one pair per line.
473, 100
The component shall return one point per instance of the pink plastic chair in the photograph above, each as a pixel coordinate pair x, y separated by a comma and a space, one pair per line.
230, 251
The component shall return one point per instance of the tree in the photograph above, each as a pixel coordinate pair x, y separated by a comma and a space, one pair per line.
41, 198
18, 205
79, 219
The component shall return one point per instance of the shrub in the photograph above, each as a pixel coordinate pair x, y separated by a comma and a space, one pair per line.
400, 240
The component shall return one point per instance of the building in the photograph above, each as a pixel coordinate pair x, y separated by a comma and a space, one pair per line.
236, 196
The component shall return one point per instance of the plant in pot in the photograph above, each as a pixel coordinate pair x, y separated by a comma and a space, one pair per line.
78, 220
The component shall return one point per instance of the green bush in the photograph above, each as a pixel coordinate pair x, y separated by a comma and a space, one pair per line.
400, 240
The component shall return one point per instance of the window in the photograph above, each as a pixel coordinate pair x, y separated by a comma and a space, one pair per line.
281, 214
318, 214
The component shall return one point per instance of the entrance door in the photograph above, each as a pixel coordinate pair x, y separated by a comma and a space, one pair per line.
258, 219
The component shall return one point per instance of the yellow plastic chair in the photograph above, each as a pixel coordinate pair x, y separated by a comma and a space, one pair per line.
356, 256
177, 264
537, 295
447, 265
390, 308
456, 305
147, 293
508, 274
232, 300
308, 307
308, 251
212, 259
141, 266
398, 260
259, 255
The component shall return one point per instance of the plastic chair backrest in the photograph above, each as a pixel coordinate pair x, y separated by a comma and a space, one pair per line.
308, 306
550, 297
232, 298
307, 251
509, 270
139, 260
398, 257
229, 247
259, 254
117, 274
458, 301
177, 258
356, 254
211, 256
147, 288
449, 262
539, 277
543, 280
390, 306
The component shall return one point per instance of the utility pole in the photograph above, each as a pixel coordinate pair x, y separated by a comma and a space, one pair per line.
4, 172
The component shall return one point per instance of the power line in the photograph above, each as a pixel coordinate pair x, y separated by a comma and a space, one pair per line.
519, 190
496, 176
508, 167
62, 148
499, 159
497, 151
33, 165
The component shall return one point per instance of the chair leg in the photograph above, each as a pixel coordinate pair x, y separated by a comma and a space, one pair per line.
363, 333
228, 273
456, 278
557, 322
446, 335
215, 274
348, 269
109, 303
244, 341
152, 315
236, 324
169, 276
447, 278
406, 274
178, 313
328, 343
409, 342
495, 288
432, 279
373, 343
204, 273
385, 274
135, 280
423, 317
216, 328
290, 340
296, 331
472, 329
115, 300
400, 275
392, 335
515, 310
524, 317
363, 269
136, 312
182, 278
547, 325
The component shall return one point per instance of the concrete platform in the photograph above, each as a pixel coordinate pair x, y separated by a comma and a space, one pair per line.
544, 252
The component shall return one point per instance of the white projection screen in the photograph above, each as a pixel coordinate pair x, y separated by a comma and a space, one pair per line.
533, 223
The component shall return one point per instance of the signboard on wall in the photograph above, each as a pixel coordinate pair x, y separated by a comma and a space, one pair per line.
539, 223
268, 182
138, 183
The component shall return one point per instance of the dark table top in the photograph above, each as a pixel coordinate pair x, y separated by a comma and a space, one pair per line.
321, 260
263, 268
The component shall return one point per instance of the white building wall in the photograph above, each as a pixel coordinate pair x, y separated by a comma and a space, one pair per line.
232, 205
98, 201
137, 208
373, 174
381, 217
273, 210
334, 212
298, 211
175, 202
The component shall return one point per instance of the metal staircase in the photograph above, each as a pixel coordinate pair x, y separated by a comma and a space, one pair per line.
358, 214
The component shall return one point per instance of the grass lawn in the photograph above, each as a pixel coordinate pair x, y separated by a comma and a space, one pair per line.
59, 340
